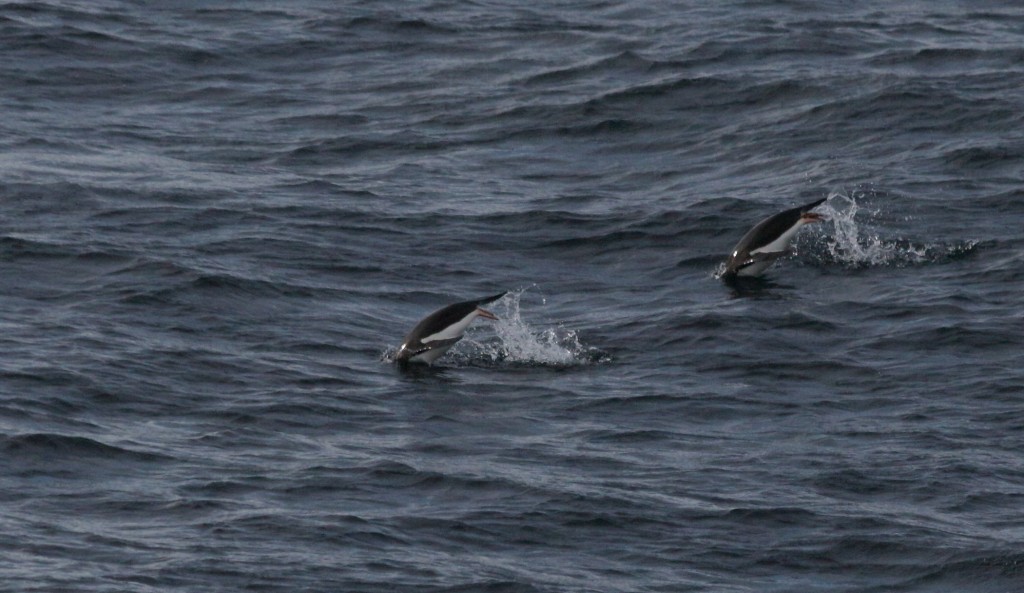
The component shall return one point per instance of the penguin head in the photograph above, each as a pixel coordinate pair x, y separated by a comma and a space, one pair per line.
809, 217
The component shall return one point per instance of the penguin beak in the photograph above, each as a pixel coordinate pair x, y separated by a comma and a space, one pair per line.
809, 217
486, 314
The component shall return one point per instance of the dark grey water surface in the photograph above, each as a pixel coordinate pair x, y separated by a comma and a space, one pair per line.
218, 219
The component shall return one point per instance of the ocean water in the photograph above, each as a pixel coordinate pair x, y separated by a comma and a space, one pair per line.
219, 219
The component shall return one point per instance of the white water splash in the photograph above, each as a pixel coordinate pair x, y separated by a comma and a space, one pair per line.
855, 242
847, 245
519, 343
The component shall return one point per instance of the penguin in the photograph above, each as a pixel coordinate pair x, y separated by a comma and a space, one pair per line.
440, 330
768, 241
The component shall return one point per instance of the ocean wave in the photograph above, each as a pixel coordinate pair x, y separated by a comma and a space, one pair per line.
216, 217
950, 58
974, 572
26, 247
985, 157
63, 448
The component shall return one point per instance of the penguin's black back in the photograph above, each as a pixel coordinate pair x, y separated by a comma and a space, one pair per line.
450, 315
773, 227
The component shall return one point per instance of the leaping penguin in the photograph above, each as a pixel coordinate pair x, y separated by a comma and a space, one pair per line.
440, 330
768, 241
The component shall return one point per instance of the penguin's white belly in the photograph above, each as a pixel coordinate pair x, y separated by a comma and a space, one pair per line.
431, 355
454, 330
781, 243
755, 268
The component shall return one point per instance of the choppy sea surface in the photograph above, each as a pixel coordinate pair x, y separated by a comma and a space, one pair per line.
219, 219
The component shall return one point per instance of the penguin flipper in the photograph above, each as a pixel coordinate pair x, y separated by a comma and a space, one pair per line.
762, 256
434, 344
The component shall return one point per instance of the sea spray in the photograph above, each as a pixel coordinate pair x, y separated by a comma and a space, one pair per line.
851, 243
517, 342
855, 241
